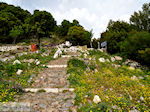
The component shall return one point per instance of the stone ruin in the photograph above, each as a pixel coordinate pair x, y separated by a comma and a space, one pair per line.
8, 52
7, 48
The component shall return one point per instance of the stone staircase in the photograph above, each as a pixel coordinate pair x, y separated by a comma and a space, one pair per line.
50, 91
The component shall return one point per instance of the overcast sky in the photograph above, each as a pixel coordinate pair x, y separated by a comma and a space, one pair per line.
92, 14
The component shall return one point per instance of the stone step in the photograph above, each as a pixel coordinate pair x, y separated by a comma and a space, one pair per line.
51, 85
53, 76
49, 102
66, 56
55, 71
56, 66
69, 56
48, 90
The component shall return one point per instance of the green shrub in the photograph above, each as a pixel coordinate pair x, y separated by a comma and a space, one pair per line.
144, 55
92, 67
76, 69
74, 79
77, 63
41, 91
136, 46
101, 107
98, 54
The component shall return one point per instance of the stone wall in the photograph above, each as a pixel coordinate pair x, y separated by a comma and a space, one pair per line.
10, 48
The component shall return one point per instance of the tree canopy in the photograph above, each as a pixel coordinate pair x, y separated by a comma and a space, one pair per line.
18, 24
79, 36
141, 19
130, 40
10, 17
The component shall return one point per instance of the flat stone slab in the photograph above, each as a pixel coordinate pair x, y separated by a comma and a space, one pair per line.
48, 90
69, 56
66, 56
56, 66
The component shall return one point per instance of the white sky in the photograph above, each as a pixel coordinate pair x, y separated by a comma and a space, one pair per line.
92, 14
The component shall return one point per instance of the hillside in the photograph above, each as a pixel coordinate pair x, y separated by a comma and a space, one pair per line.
120, 87
51, 67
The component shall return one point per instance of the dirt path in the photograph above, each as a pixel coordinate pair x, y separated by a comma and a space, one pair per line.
50, 92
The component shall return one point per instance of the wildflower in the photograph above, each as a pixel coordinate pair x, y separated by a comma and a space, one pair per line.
142, 98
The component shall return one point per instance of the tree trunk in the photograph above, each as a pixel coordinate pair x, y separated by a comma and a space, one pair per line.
14, 41
39, 42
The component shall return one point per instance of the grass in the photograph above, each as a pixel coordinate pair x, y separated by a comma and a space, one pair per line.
11, 83
116, 87
41, 91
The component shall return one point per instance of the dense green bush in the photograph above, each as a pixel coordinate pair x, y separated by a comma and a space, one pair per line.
77, 63
144, 55
130, 40
19, 25
101, 107
77, 35
136, 46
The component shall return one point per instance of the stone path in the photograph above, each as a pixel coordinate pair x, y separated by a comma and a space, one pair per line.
50, 92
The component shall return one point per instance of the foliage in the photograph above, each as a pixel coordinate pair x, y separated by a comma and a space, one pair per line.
141, 18
44, 20
95, 43
118, 26
101, 107
77, 63
96, 54
42, 24
16, 32
19, 25
77, 67
130, 40
63, 28
144, 55
79, 36
10, 16
136, 45
117, 32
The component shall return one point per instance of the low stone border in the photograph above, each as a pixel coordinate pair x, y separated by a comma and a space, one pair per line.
56, 66
66, 56
48, 90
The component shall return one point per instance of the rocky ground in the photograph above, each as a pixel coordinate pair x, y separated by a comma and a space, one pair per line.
50, 91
